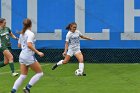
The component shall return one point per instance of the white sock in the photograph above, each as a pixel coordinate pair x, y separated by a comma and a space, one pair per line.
81, 66
35, 78
19, 81
60, 62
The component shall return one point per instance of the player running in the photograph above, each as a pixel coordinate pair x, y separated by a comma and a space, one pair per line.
27, 58
5, 46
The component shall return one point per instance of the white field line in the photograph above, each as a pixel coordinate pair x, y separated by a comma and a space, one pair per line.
18, 70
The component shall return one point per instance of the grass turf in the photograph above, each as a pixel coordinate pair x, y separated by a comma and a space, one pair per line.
101, 78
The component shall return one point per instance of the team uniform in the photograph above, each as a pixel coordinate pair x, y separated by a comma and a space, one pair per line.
27, 55
5, 39
6, 45
73, 40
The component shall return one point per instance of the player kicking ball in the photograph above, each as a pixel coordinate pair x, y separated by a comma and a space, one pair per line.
72, 47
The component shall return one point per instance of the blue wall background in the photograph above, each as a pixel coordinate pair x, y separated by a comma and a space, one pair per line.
57, 14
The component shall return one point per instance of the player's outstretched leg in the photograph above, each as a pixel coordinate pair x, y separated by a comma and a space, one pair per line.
57, 64
54, 66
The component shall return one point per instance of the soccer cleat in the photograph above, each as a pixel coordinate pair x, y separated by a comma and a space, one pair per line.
84, 74
25, 90
12, 92
15, 74
54, 66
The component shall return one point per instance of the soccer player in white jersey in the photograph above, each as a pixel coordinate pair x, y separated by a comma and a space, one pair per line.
27, 58
72, 46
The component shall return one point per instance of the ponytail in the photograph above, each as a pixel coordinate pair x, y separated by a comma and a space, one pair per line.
69, 25
26, 24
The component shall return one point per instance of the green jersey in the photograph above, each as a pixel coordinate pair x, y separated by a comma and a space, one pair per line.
5, 38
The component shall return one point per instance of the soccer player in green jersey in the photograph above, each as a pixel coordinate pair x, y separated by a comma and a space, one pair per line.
5, 45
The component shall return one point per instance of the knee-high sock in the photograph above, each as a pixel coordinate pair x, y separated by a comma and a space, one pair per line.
11, 64
19, 81
34, 79
60, 62
81, 66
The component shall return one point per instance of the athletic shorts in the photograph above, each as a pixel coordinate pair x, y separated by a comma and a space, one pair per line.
5, 48
27, 60
72, 52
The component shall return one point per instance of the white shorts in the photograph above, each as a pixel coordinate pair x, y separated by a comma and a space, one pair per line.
72, 52
27, 60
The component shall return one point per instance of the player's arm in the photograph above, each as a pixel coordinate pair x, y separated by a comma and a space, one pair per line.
84, 37
19, 45
13, 36
34, 49
30, 45
19, 42
66, 44
66, 48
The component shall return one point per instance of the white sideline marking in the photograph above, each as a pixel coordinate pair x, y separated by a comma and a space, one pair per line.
19, 70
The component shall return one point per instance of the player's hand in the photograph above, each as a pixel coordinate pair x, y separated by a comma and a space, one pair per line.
92, 38
16, 38
64, 54
40, 54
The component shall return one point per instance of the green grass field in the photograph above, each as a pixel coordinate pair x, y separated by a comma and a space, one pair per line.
101, 78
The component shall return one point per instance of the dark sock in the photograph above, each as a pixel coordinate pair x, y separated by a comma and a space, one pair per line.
28, 86
2, 64
13, 91
11, 64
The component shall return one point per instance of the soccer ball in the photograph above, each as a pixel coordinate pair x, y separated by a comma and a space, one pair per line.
78, 72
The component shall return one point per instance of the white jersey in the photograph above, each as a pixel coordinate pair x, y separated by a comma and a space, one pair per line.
73, 39
23, 39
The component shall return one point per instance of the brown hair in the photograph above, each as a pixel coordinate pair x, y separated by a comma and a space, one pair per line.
69, 25
2, 20
26, 24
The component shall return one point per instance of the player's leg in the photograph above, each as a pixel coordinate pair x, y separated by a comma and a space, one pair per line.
38, 70
18, 82
65, 61
80, 59
4, 63
8, 56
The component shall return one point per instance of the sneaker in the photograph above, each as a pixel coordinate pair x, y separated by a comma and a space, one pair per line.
54, 66
15, 74
25, 90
